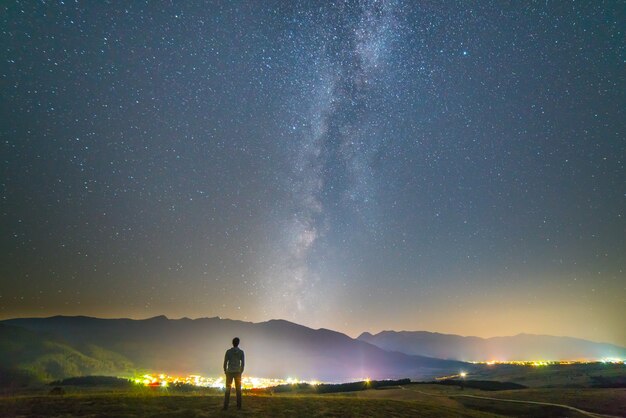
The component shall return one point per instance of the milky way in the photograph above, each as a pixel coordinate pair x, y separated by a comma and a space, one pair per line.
333, 136
358, 165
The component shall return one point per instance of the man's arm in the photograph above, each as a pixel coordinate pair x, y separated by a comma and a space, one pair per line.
242, 361
225, 362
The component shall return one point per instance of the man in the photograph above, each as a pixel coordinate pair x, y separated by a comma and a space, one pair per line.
233, 367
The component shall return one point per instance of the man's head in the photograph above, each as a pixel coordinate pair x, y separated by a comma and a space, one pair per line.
236, 342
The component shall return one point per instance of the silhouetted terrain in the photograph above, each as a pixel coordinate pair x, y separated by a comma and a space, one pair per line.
518, 347
27, 356
71, 346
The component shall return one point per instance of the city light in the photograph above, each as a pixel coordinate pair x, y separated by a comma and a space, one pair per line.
613, 360
540, 363
247, 382
461, 374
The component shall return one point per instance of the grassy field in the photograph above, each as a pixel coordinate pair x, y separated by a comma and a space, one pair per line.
604, 401
116, 405
406, 401
599, 401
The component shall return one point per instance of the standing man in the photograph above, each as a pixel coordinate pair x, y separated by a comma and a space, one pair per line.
233, 367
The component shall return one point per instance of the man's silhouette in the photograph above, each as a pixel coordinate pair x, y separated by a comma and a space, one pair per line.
233, 367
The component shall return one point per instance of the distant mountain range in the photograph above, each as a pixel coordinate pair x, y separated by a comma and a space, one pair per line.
523, 347
44, 349
58, 347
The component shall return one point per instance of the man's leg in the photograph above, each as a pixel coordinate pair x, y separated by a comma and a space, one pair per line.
229, 382
238, 389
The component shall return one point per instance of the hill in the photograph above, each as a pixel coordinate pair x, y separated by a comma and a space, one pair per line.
274, 348
522, 347
26, 356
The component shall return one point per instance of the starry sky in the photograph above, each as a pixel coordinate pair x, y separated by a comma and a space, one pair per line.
449, 166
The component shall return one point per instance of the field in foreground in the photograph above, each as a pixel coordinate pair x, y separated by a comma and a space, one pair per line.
209, 406
598, 402
405, 401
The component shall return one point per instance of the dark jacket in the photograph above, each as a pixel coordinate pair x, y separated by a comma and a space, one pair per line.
234, 360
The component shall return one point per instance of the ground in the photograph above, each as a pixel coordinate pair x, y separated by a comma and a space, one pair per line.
405, 401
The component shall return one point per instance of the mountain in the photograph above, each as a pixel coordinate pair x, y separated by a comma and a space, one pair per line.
274, 348
27, 356
519, 347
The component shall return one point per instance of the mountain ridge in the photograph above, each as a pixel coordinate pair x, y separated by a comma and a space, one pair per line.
519, 347
67, 345
520, 334
275, 348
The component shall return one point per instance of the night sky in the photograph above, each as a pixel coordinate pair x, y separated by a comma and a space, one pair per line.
445, 166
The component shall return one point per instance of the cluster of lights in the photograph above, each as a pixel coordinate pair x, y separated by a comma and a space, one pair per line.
613, 360
247, 382
539, 363
462, 375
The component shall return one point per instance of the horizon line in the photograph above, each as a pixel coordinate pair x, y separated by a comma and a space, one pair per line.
305, 326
